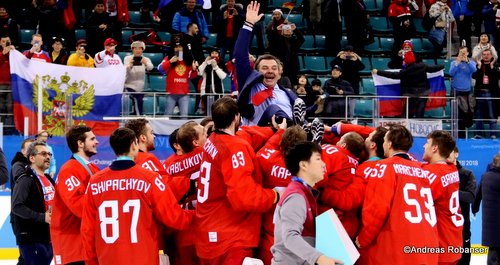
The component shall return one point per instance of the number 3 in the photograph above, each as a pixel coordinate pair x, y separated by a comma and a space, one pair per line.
205, 182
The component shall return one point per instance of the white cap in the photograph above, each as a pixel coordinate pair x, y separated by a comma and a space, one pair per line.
138, 43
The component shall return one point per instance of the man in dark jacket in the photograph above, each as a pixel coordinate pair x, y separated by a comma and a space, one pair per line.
187, 15
31, 207
4, 174
338, 88
260, 97
18, 167
486, 76
466, 197
414, 84
488, 192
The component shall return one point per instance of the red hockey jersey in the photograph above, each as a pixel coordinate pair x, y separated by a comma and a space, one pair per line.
122, 207
445, 183
270, 168
67, 211
340, 171
230, 200
398, 211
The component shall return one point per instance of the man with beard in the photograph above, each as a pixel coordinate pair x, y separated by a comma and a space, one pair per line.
68, 201
146, 139
260, 97
32, 200
187, 15
230, 200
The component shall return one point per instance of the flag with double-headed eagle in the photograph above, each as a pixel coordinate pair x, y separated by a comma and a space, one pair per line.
76, 95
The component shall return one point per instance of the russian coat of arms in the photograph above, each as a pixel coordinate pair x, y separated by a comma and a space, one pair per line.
54, 101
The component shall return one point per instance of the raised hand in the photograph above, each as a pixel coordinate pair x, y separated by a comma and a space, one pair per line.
252, 15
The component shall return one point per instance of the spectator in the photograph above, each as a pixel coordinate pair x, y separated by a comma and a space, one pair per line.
461, 71
36, 52
99, 27
118, 15
107, 57
356, 21
166, 14
332, 25
214, 72
441, 12
179, 71
489, 17
313, 14
294, 229
463, 17
351, 63
193, 44
43, 136
6, 83
259, 97
193, 39
70, 188
318, 93
489, 195
50, 20
466, 196
486, 76
137, 64
402, 23
310, 95
284, 41
187, 15
483, 44
58, 54
32, 200
414, 84
336, 86
155, 200
228, 213
8, 26
80, 58
229, 21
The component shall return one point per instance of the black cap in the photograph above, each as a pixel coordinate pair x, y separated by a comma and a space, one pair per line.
348, 48
337, 67
59, 39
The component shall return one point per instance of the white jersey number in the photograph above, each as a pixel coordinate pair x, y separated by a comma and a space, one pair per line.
205, 182
430, 215
111, 221
456, 217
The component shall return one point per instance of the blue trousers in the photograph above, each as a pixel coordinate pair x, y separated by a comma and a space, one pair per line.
37, 253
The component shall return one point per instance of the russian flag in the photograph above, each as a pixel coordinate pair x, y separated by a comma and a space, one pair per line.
95, 92
389, 92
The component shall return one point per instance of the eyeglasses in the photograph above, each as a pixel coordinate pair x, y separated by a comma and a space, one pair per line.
44, 154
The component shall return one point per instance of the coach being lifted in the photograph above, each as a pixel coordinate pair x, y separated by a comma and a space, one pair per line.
261, 97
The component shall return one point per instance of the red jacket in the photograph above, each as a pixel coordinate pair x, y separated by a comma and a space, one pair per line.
67, 211
397, 212
445, 183
123, 206
230, 200
4, 69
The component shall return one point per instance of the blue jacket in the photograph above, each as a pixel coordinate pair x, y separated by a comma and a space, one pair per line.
184, 17
459, 7
248, 76
489, 16
462, 75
